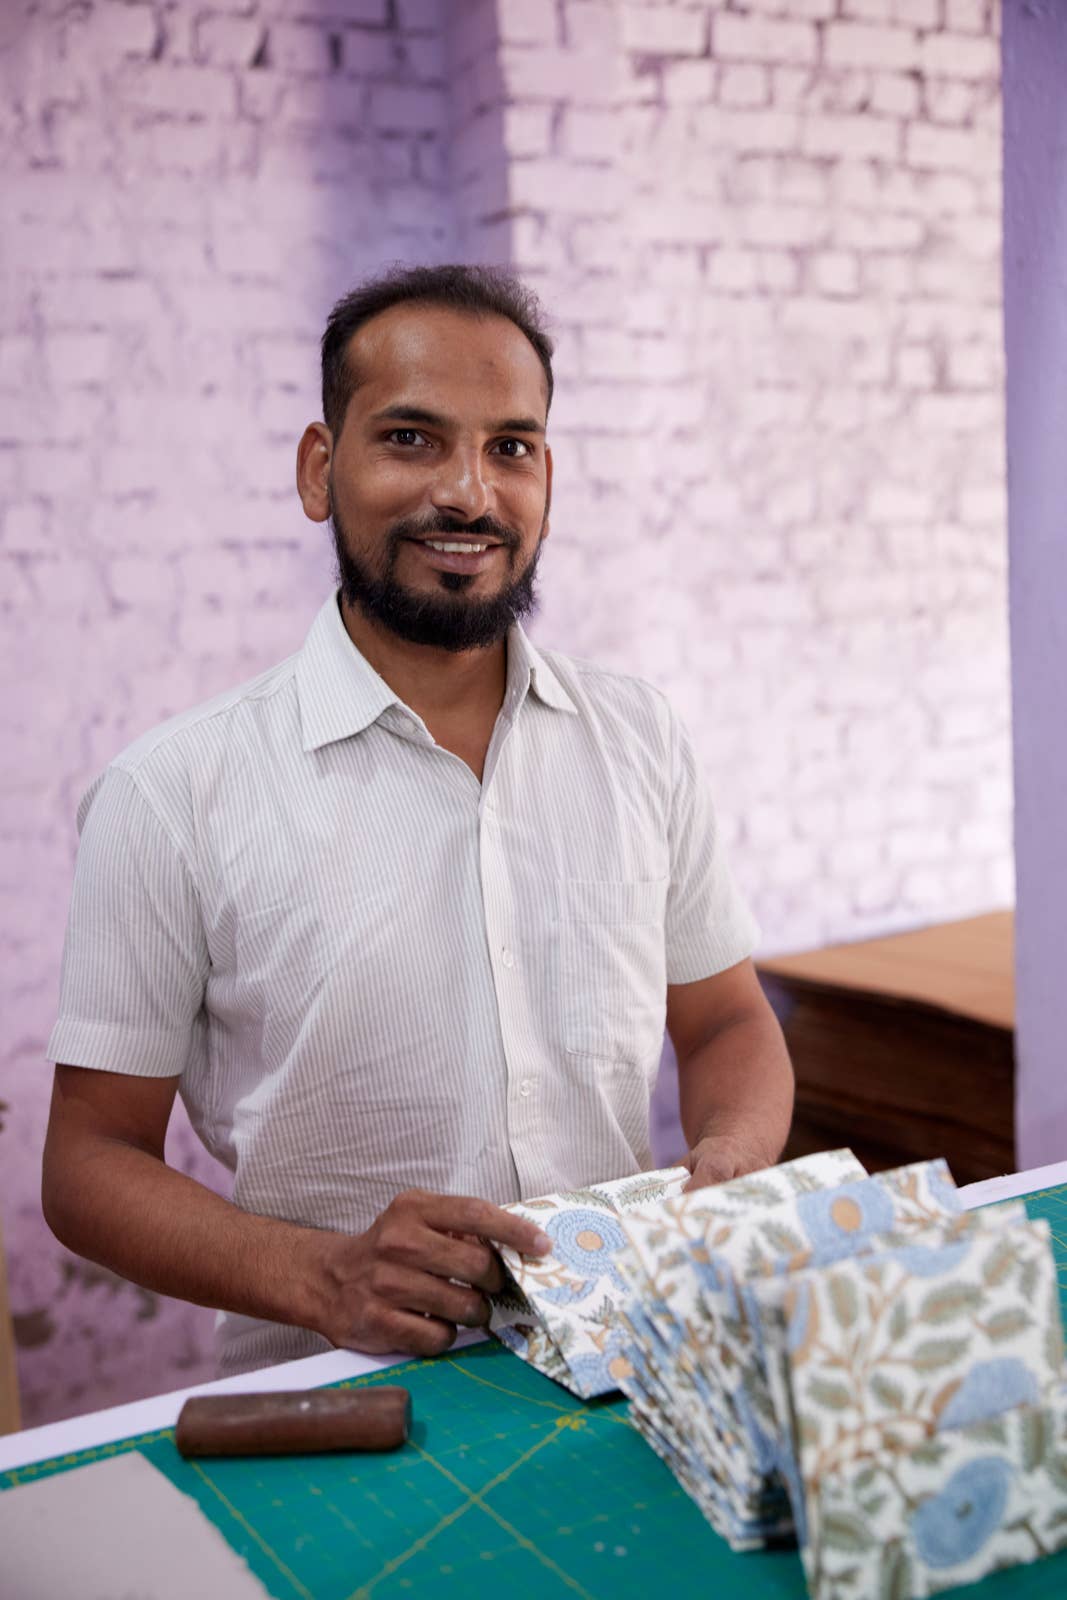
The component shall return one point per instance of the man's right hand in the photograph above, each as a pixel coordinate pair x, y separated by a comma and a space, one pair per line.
423, 1268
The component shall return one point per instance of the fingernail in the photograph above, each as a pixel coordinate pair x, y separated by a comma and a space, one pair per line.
543, 1243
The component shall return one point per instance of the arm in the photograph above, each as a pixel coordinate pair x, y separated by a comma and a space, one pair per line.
735, 1081
109, 1195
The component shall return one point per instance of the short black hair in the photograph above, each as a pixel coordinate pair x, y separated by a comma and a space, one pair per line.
480, 291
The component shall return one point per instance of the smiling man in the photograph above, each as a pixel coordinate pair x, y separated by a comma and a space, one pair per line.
403, 918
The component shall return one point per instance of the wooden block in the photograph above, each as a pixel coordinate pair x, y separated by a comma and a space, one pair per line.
294, 1422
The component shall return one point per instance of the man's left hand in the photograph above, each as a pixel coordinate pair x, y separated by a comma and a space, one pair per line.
719, 1157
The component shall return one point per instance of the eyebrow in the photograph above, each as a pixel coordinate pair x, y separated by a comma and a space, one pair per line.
433, 419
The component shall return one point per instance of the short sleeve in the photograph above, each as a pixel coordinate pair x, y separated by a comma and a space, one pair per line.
135, 961
709, 926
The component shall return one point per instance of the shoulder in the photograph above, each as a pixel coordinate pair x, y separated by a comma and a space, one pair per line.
604, 693
181, 754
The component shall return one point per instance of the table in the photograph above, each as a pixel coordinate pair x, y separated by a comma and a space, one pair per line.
904, 1047
508, 1482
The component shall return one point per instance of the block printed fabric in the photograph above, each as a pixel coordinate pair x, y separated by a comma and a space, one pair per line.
848, 1360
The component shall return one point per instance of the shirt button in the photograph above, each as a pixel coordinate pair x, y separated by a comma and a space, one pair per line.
506, 957
525, 1087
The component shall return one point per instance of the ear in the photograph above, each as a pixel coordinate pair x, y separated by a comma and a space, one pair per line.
313, 456
548, 491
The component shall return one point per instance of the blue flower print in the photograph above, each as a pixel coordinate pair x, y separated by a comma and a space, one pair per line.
586, 1241
801, 1318
942, 1187
932, 1260
840, 1221
596, 1374
761, 1446
988, 1389
568, 1294
952, 1526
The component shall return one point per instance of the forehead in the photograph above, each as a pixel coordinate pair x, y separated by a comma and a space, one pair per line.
446, 360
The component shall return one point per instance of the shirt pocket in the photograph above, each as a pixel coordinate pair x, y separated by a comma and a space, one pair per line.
612, 969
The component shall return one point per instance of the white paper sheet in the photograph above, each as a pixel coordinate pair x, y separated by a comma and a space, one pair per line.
114, 1530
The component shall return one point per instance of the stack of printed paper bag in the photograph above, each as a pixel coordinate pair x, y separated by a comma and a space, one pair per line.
849, 1360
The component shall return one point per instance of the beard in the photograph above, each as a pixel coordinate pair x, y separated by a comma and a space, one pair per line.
448, 619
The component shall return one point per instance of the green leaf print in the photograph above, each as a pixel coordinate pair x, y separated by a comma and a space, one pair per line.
948, 1301
930, 1354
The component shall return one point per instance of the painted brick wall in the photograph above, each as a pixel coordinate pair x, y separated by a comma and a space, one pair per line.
770, 236
187, 187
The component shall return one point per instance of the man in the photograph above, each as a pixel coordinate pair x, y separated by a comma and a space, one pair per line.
402, 918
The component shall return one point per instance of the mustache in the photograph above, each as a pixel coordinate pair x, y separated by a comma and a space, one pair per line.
487, 527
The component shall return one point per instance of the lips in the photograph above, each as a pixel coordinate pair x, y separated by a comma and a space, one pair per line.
473, 561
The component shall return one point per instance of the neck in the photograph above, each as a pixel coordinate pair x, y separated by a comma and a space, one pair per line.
434, 683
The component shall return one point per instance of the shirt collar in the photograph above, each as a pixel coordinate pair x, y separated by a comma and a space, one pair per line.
527, 668
340, 694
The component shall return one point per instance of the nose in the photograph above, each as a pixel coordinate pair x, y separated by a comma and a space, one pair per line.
459, 488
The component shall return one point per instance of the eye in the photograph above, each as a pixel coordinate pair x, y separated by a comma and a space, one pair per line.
514, 449
406, 437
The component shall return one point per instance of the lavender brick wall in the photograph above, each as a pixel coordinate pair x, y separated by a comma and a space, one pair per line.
771, 233
770, 237
186, 189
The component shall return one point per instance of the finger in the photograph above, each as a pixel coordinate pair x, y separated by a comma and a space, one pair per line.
459, 1214
446, 1256
410, 1334
431, 1296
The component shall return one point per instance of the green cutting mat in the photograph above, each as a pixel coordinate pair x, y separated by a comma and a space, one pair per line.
507, 1482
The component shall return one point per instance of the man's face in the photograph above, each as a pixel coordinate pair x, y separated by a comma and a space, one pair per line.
442, 446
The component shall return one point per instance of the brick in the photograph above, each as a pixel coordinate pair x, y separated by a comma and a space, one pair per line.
582, 76
855, 45
407, 110
564, 186
688, 82
744, 85
228, 41
974, 366
783, 225
732, 270
122, 29
859, 136
917, 13
916, 367
592, 135
835, 272
959, 56
301, 47
966, 16
895, 502
520, 22
526, 131
949, 100
664, 31
895, 94
743, 38
79, 358
179, 91
591, 25
747, 131
777, 270
941, 148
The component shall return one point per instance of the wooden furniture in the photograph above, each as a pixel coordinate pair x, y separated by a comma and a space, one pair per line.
904, 1046
9, 1391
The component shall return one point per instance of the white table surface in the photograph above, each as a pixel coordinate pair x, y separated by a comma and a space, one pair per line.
146, 1416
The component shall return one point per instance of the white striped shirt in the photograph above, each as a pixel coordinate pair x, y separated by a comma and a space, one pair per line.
373, 972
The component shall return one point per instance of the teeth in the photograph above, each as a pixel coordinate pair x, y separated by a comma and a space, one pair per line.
456, 549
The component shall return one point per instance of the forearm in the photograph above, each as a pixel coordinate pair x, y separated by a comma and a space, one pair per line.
738, 1086
124, 1208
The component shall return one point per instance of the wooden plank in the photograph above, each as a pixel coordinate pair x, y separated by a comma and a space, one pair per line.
9, 1389
966, 967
